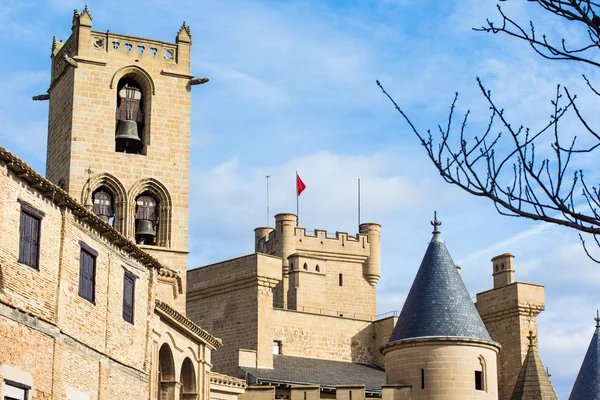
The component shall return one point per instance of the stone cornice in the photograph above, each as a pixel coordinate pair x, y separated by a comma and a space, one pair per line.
185, 324
226, 380
440, 340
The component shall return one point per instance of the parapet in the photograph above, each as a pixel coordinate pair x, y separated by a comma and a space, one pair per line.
98, 48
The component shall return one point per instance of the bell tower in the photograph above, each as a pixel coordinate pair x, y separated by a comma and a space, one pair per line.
119, 133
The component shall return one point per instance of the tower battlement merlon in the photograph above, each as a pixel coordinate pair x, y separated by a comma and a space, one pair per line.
287, 238
96, 47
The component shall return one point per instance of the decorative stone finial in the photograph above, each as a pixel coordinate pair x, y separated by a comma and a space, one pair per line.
597, 319
185, 34
531, 339
435, 223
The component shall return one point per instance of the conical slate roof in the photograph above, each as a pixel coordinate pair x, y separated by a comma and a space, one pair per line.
533, 382
438, 304
587, 384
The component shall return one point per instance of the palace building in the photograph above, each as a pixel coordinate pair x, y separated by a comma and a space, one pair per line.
97, 301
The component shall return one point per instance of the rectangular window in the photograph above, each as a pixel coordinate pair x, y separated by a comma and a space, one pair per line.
29, 238
276, 346
422, 379
128, 296
341, 280
15, 391
478, 380
87, 273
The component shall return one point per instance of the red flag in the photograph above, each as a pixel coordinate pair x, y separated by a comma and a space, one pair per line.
300, 186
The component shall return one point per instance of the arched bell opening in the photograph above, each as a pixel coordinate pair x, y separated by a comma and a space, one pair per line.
106, 197
130, 120
162, 224
103, 205
187, 379
146, 219
167, 384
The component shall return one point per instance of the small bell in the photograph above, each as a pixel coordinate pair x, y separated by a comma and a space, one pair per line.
144, 231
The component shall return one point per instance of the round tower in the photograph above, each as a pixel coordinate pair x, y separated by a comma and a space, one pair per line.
372, 267
440, 345
259, 233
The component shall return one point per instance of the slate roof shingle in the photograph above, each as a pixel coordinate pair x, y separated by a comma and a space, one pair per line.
326, 373
587, 384
438, 304
533, 381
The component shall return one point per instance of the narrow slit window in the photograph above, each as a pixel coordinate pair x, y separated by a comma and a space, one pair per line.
478, 380
128, 297
341, 280
422, 379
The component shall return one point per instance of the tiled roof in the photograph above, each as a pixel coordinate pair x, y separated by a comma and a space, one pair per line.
438, 304
587, 384
326, 373
533, 381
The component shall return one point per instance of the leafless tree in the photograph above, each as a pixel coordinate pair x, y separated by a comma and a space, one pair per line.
500, 163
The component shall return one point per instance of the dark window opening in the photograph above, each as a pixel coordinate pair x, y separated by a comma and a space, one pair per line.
146, 219
422, 379
276, 346
15, 390
350, 394
305, 266
478, 380
129, 135
341, 280
317, 268
87, 274
128, 296
29, 238
102, 205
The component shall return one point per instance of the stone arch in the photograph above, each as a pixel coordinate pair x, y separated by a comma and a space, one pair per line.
187, 378
117, 190
144, 78
480, 374
160, 192
148, 88
317, 268
167, 383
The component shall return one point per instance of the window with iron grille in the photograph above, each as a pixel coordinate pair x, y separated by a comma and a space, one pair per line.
128, 296
29, 237
87, 273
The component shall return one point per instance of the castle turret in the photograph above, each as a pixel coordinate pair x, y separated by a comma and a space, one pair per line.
372, 267
440, 345
533, 381
587, 384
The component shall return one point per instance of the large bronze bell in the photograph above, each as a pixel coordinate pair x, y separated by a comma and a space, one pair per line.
128, 130
144, 231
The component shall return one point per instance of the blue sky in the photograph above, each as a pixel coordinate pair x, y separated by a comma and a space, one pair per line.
292, 87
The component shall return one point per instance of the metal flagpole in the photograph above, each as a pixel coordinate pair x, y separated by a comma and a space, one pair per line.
268, 200
297, 201
358, 201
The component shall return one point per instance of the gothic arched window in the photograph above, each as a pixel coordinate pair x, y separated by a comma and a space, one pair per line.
102, 205
146, 219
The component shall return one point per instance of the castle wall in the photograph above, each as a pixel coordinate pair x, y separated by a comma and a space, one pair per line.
233, 300
323, 336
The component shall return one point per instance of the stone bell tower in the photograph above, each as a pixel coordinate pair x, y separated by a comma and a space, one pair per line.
119, 132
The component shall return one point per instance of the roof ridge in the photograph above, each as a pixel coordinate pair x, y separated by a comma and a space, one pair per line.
61, 198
